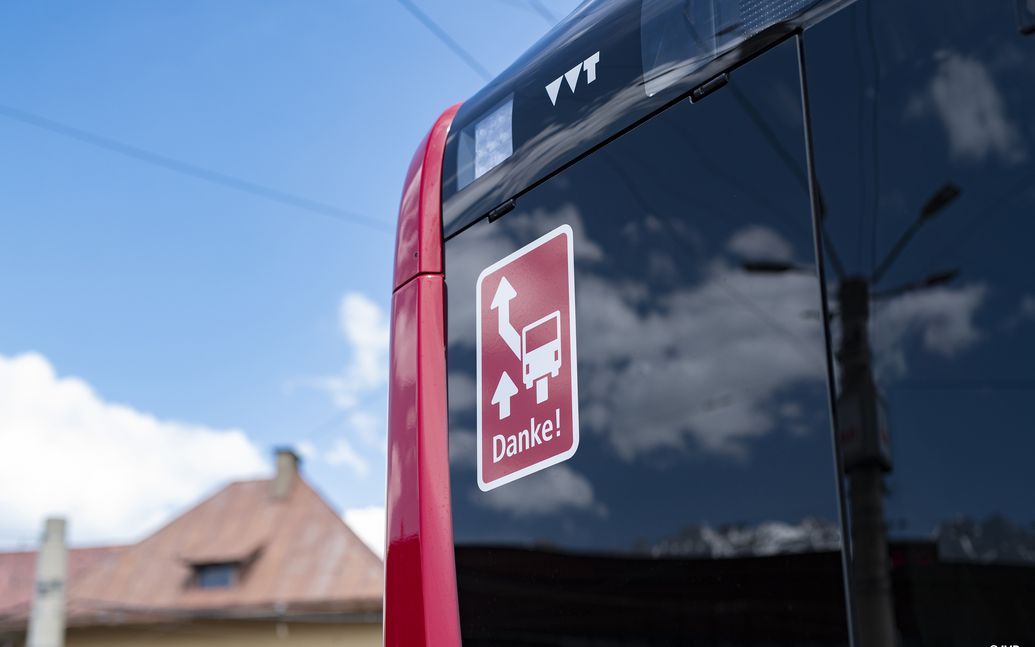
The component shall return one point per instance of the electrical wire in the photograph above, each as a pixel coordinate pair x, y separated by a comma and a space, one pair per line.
189, 169
446, 39
861, 132
327, 426
977, 384
875, 139
980, 223
535, 6
794, 167
541, 9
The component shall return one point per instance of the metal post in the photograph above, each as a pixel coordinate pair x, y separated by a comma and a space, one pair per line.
866, 459
47, 620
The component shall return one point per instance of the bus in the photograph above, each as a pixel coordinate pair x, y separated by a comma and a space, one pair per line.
780, 246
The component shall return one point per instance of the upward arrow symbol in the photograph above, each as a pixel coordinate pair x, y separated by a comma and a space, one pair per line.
501, 302
505, 390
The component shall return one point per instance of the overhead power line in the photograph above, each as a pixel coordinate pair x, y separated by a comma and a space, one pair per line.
537, 7
977, 384
446, 39
541, 9
191, 170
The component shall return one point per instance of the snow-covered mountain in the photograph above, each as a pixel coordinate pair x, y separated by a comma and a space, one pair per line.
993, 539
741, 540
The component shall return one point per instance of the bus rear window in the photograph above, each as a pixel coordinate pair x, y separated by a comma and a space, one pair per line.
699, 506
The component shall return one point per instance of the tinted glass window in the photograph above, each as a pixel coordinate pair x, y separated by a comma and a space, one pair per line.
925, 146
700, 505
214, 576
680, 37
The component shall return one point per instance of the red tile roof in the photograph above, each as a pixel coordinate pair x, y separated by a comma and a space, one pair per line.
18, 571
299, 559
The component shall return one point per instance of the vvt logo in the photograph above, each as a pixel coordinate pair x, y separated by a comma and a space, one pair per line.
572, 77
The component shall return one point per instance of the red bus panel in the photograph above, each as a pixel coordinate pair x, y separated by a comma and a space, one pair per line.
420, 578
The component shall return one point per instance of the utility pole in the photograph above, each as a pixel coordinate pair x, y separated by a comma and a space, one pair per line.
863, 432
862, 428
47, 621
866, 458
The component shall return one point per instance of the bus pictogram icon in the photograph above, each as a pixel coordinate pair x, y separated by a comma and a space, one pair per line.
544, 357
526, 361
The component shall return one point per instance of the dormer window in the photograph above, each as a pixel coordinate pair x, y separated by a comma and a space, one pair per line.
220, 565
216, 576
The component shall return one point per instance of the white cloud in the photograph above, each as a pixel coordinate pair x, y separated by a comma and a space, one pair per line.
757, 243
712, 363
545, 492
942, 317
369, 524
343, 454
114, 471
1025, 312
463, 448
462, 392
360, 389
369, 427
541, 221
365, 328
306, 449
969, 104
549, 491
711, 366
708, 366
1027, 306
660, 369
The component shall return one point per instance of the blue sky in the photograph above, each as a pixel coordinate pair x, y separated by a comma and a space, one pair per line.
159, 333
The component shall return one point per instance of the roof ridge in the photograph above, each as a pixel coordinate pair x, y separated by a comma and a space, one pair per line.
341, 517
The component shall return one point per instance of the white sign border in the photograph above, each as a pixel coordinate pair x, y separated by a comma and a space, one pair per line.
563, 230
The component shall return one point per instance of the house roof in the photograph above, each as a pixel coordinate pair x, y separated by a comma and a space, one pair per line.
298, 558
18, 571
